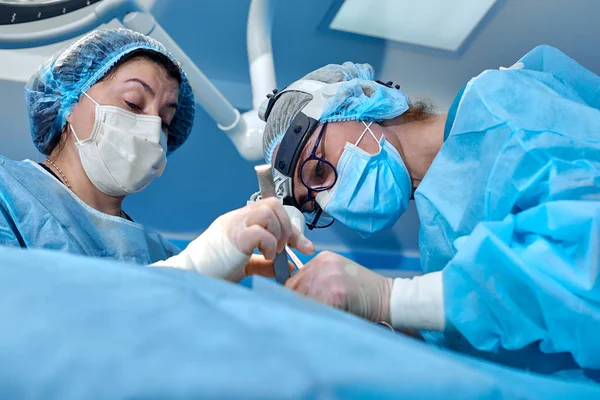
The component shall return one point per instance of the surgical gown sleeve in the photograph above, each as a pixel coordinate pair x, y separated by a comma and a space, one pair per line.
532, 277
528, 274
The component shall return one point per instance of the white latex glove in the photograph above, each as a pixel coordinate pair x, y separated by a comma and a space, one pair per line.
336, 281
225, 248
407, 304
266, 226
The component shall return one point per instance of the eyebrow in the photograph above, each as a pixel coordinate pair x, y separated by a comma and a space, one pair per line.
148, 89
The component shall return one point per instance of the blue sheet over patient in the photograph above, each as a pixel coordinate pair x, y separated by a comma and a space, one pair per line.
77, 327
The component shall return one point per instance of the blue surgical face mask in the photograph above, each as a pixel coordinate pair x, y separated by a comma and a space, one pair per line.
372, 190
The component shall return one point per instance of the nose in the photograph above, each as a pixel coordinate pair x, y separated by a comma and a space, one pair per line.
153, 110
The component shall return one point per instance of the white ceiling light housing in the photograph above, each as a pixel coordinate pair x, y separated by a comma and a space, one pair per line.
441, 24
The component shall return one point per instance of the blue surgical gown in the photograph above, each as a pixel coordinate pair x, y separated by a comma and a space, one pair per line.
37, 211
510, 211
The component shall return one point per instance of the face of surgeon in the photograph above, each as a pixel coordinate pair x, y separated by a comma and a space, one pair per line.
139, 85
331, 146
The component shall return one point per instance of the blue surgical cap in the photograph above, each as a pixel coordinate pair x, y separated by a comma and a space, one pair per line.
58, 84
360, 98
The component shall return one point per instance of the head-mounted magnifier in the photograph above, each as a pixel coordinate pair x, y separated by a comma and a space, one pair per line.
298, 132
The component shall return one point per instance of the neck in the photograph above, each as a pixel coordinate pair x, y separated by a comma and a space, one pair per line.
67, 159
418, 142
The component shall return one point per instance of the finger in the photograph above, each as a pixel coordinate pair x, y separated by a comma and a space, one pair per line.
299, 282
304, 273
259, 265
303, 286
263, 240
301, 242
285, 224
292, 282
265, 217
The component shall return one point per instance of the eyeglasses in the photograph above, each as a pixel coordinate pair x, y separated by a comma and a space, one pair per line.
317, 175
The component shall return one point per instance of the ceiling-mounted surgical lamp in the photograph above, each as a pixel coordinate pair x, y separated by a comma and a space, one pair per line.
33, 23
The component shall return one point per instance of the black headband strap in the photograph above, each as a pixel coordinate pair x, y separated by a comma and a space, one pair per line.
293, 142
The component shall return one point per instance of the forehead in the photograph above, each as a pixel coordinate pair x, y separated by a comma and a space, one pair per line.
147, 70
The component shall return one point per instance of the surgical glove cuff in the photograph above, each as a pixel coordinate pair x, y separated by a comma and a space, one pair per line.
211, 254
418, 303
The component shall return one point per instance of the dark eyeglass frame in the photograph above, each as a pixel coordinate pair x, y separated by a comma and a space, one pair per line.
312, 198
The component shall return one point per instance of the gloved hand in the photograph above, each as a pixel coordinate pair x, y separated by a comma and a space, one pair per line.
336, 281
224, 250
266, 226
406, 303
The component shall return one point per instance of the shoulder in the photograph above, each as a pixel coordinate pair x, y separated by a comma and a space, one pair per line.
10, 164
7, 167
4, 160
544, 57
522, 98
19, 170
16, 175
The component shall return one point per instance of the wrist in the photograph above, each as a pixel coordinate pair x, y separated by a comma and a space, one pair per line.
385, 291
213, 254
418, 303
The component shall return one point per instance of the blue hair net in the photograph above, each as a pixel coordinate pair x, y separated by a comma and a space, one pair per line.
359, 99
363, 99
58, 84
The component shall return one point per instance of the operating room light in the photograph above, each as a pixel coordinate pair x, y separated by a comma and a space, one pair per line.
441, 24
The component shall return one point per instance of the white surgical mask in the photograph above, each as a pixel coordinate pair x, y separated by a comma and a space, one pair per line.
125, 151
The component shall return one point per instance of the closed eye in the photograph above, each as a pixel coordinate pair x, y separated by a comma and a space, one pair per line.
133, 106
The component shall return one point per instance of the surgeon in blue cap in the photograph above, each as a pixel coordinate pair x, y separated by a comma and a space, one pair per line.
107, 112
507, 189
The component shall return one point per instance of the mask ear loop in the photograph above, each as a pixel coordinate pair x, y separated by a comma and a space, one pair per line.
367, 128
93, 101
74, 134
71, 125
